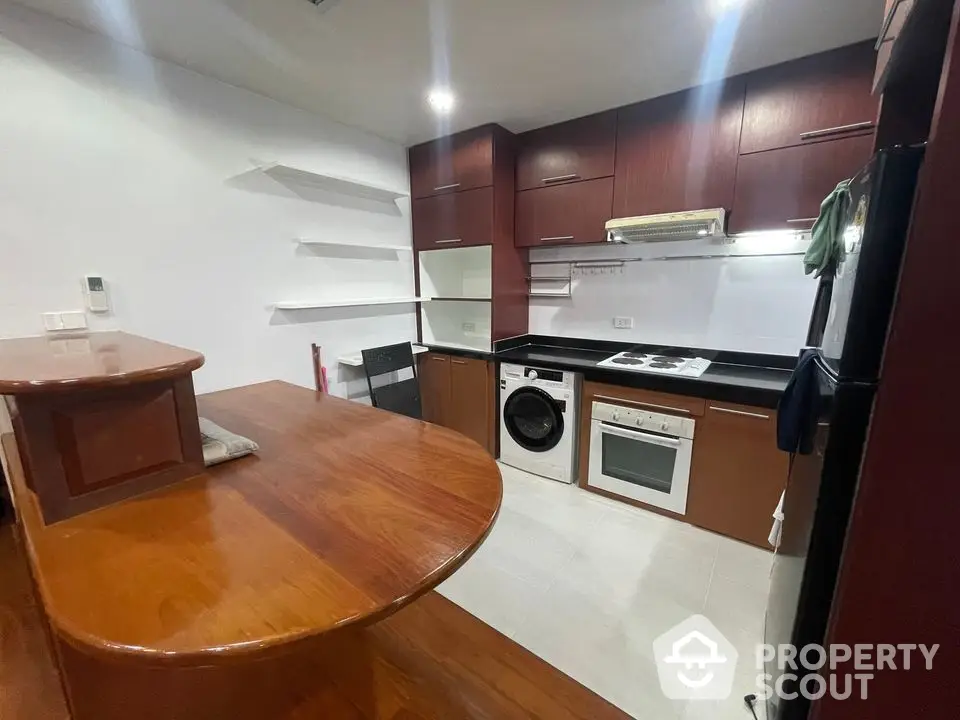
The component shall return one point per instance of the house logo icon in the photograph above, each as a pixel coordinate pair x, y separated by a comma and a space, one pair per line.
695, 661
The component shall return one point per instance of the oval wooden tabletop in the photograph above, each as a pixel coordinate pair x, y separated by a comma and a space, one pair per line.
345, 514
91, 360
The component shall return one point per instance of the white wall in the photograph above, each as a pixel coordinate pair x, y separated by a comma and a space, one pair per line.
114, 163
752, 304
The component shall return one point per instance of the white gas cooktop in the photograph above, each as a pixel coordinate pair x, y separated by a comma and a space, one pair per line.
638, 361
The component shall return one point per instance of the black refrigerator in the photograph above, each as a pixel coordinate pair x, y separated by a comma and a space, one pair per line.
846, 370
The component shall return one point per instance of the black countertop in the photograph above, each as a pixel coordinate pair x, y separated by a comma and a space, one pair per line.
743, 378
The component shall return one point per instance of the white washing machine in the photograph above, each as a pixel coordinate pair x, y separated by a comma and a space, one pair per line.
538, 420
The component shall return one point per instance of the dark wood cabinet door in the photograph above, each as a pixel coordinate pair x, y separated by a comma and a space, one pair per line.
470, 399
783, 189
563, 215
581, 149
452, 164
737, 473
806, 100
453, 220
434, 375
679, 152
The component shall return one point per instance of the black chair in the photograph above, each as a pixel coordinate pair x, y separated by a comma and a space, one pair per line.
400, 396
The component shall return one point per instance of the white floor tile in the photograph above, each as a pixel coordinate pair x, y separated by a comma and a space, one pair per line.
587, 583
500, 599
735, 607
744, 564
527, 548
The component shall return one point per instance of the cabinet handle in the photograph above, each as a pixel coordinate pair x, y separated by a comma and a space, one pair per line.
459, 362
837, 130
682, 411
451, 186
437, 358
447, 242
740, 412
559, 238
559, 178
802, 220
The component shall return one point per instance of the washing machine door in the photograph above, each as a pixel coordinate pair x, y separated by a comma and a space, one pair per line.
534, 419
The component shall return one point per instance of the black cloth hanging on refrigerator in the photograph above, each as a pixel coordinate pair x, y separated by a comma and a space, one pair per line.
795, 412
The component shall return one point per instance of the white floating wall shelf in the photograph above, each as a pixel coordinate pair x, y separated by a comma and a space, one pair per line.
331, 183
356, 302
362, 246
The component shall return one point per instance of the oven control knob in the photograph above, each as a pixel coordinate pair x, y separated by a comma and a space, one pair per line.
616, 415
532, 374
665, 425
639, 422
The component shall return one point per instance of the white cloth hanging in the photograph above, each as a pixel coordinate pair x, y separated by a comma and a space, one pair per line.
774, 538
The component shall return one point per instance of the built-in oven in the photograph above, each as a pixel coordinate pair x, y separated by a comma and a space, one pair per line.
641, 455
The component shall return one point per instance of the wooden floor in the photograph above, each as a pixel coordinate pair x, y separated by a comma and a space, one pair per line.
430, 661
29, 685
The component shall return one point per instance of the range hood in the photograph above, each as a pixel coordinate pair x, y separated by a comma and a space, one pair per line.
692, 225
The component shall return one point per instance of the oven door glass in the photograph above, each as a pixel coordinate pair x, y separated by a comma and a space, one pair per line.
639, 462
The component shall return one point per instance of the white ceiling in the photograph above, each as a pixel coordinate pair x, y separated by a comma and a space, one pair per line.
522, 63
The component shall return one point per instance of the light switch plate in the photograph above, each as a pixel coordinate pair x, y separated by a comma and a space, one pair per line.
623, 323
69, 320
52, 321
74, 320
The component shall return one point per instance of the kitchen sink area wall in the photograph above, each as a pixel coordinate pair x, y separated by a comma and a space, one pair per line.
750, 295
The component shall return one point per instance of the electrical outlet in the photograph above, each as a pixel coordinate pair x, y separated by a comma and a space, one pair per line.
469, 327
623, 323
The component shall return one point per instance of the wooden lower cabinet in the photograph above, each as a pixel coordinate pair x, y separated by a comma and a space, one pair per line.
738, 473
435, 387
470, 399
457, 392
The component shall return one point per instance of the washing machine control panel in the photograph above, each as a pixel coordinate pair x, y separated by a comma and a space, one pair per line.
554, 379
548, 375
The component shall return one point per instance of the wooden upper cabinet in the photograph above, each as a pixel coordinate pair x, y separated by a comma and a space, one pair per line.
581, 149
573, 213
821, 97
783, 189
452, 164
454, 220
737, 473
893, 25
679, 152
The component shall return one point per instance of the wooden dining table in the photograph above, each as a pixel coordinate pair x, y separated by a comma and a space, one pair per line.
199, 599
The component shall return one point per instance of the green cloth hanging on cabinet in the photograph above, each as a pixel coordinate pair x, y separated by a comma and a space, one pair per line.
826, 250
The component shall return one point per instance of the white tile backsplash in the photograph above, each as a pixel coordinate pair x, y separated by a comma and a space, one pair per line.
754, 303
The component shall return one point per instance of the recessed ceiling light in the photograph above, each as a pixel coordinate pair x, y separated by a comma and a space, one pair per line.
441, 100
721, 7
